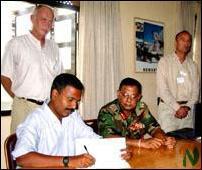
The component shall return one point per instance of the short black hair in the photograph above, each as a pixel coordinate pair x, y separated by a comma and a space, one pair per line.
66, 79
182, 32
131, 82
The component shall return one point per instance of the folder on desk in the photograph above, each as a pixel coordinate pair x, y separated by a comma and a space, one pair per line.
106, 152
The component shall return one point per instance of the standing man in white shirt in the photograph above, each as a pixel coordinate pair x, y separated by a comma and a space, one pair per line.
29, 65
177, 86
46, 139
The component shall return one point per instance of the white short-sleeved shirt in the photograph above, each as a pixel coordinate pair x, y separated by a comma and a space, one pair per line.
42, 132
31, 67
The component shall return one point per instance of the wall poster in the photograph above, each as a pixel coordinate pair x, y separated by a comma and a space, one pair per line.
149, 44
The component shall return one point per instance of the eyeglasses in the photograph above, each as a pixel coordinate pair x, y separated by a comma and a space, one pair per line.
129, 96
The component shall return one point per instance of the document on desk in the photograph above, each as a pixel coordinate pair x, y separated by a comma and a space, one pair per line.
107, 152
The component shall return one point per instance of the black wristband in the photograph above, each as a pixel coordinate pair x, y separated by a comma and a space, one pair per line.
65, 161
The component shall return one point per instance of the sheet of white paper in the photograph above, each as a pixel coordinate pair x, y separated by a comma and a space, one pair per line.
106, 151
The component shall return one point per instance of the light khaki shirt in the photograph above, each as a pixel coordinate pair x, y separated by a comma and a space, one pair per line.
177, 82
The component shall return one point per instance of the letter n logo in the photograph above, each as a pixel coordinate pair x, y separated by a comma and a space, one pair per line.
193, 159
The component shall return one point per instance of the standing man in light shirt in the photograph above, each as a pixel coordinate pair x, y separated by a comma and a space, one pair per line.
29, 65
177, 86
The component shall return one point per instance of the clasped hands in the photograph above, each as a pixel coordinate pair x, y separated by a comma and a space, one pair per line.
155, 143
182, 112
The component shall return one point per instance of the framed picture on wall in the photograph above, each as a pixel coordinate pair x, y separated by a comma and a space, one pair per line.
149, 44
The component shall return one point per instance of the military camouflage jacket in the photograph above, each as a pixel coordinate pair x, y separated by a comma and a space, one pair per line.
111, 121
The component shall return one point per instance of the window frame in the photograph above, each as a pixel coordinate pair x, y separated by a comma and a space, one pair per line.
56, 4
74, 31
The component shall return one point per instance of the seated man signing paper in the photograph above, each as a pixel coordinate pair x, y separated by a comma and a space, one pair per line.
129, 117
46, 139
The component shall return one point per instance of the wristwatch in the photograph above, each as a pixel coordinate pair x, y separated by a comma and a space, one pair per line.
65, 161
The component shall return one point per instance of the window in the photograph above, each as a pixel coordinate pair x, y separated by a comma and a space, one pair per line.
15, 21
64, 32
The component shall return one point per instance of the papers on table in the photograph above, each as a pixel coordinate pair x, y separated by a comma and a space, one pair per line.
106, 151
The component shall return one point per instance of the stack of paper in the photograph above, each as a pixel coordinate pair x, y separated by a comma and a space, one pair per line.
107, 152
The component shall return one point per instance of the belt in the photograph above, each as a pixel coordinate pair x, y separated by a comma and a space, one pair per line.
179, 102
33, 101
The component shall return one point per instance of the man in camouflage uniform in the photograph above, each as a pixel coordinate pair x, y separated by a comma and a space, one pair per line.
128, 116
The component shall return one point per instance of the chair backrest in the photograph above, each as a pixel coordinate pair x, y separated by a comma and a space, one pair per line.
9, 146
197, 125
92, 123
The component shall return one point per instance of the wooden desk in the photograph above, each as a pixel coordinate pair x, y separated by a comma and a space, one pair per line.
166, 158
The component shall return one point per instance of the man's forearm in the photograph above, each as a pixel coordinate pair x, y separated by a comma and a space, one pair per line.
37, 160
159, 133
132, 142
6, 82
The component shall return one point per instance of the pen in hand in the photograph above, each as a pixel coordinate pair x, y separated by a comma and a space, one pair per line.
86, 149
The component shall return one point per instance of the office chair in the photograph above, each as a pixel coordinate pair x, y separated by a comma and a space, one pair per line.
9, 145
92, 123
197, 125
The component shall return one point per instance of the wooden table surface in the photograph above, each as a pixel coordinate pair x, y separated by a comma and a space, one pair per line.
186, 154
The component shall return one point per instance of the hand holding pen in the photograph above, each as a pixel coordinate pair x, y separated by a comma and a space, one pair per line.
86, 159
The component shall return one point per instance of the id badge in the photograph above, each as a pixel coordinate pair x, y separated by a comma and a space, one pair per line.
180, 80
